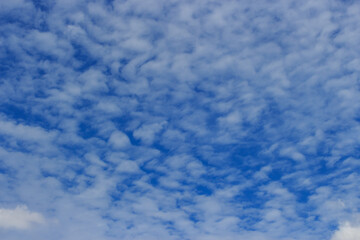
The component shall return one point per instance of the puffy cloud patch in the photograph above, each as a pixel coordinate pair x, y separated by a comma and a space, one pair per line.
119, 140
19, 218
347, 231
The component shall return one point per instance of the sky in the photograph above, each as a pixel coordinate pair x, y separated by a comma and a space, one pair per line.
179, 120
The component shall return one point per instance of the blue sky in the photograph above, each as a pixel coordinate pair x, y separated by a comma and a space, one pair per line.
191, 120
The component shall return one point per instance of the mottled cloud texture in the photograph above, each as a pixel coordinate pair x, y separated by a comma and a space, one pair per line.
179, 120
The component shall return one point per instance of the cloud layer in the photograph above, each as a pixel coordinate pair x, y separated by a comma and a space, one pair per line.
127, 119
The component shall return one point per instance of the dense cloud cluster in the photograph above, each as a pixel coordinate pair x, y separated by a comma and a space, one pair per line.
167, 119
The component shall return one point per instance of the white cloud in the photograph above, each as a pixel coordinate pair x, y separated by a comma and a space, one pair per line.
148, 132
127, 166
119, 140
19, 218
26, 133
347, 232
11, 5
